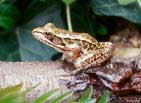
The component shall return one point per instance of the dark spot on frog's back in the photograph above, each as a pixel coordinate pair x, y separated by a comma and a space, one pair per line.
68, 40
83, 42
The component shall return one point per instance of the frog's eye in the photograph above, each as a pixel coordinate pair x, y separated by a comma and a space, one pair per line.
49, 25
48, 35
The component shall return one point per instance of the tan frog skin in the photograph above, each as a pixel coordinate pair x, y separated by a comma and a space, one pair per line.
79, 48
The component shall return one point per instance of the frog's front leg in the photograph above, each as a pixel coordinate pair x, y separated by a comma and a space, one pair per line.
71, 55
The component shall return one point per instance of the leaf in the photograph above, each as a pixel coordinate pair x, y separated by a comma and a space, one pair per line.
62, 97
82, 21
72, 101
126, 2
13, 94
105, 97
9, 47
6, 22
10, 90
87, 95
2, 1
47, 96
29, 89
30, 48
88, 101
13, 98
16, 97
100, 29
8, 16
139, 3
68, 2
7, 9
7, 1
131, 12
35, 7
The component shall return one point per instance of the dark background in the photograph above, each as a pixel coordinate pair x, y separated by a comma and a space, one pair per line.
100, 18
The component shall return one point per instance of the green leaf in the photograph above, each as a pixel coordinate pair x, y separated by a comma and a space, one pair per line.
8, 16
13, 94
68, 2
2, 1
73, 100
9, 10
88, 101
105, 97
9, 47
139, 3
35, 7
7, 1
10, 90
126, 2
29, 89
6, 22
83, 21
100, 29
30, 48
87, 95
13, 98
47, 96
62, 97
131, 12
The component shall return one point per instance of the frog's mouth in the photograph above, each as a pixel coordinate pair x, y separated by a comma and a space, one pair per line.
39, 34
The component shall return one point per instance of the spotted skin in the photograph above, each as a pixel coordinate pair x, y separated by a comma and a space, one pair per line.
79, 48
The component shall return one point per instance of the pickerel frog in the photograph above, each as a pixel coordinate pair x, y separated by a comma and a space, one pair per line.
79, 48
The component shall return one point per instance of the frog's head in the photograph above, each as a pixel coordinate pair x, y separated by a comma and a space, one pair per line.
47, 35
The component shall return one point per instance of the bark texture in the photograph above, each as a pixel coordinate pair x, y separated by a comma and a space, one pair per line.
32, 73
48, 74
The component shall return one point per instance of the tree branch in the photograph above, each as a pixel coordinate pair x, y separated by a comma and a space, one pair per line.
48, 74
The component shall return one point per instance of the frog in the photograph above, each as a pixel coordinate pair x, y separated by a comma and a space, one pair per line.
81, 49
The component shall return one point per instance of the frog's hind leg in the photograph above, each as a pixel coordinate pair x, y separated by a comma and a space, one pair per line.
85, 61
92, 59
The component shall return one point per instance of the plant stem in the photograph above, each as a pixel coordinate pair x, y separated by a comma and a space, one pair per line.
139, 2
68, 18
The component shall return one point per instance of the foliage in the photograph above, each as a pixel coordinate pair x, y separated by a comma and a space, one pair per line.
129, 9
68, 2
8, 14
14, 94
105, 97
86, 98
18, 18
126, 2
